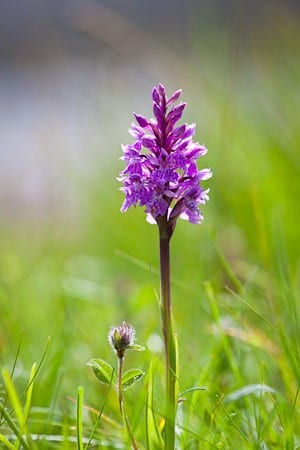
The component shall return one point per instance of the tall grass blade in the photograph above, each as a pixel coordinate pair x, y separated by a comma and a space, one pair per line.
29, 392
13, 368
100, 414
80, 394
153, 436
257, 389
14, 428
216, 315
13, 397
6, 442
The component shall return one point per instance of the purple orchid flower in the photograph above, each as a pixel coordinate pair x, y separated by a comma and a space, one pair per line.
162, 172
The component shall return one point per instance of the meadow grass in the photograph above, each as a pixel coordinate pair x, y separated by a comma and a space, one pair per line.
235, 282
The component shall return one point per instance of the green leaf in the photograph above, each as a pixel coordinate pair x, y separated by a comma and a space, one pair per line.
257, 389
131, 377
153, 435
6, 442
103, 371
29, 392
11, 423
136, 347
192, 389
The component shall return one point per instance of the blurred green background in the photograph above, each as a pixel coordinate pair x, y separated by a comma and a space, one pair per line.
71, 265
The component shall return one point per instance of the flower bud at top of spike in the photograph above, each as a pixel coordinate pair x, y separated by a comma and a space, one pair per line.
141, 120
121, 338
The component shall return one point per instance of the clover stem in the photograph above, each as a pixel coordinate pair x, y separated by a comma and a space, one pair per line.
120, 391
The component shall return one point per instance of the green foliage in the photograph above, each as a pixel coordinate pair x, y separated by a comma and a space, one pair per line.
79, 424
19, 429
106, 374
130, 377
235, 279
103, 371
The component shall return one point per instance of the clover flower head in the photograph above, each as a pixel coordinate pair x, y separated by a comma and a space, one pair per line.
121, 337
161, 170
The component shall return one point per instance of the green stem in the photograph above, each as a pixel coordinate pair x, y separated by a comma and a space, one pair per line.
120, 391
121, 404
165, 233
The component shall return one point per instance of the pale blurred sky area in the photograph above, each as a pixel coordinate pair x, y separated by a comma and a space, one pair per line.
72, 72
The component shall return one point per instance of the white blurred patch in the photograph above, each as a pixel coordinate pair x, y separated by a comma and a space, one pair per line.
155, 343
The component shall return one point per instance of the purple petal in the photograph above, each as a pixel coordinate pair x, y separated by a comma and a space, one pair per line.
135, 131
141, 120
192, 170
189, 131
157, 207
161, 90
205, 174
174, 97
181, 145
157, 112
193, 216
204, 197
195, 150
175, 114
149, 142
155, 95
176, 134
150, 219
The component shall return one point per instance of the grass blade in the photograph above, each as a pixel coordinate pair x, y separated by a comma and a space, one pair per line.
100, 413
79, 418
152, 431
6, 442
257, 389
13, 396
13, 427
29, 392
